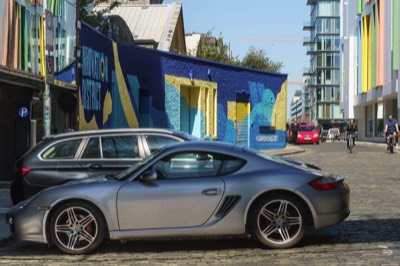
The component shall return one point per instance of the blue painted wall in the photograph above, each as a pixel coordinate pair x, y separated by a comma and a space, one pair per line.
132, 86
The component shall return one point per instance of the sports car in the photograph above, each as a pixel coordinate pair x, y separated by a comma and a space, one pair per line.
188, 189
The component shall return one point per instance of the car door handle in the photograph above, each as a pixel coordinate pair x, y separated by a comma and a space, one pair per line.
211, 191
94, 166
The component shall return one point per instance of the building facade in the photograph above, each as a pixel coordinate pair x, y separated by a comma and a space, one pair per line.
323, 76
36, 49
297, 106
129, 86
370, 64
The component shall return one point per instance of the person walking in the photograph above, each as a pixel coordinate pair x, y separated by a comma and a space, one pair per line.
351, 131
295, 130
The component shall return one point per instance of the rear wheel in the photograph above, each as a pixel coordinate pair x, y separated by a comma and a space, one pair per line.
279, 221
77, 228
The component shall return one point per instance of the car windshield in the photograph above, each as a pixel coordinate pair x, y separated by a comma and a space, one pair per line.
307, 129
128, 172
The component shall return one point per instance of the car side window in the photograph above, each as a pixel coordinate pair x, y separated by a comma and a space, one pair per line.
188, 165
92, 150
62, 150
156, 142
231, 165
120, 147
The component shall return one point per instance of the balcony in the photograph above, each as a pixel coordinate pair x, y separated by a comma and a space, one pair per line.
311, 50
307, 41
308, 25
312, 2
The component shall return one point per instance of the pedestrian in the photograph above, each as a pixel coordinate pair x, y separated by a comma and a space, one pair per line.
295, 130
351, 130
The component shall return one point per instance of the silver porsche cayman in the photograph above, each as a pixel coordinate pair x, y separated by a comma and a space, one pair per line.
189, 189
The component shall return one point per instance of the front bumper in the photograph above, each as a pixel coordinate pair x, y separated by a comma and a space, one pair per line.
26, 223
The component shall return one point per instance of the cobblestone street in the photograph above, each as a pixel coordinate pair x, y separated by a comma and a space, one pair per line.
369, 236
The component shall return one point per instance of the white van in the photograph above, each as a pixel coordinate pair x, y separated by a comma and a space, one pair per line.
333, 134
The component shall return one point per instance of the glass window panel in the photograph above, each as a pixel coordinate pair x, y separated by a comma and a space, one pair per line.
156, 142
62, 150
188, 165
120, 147
92, 149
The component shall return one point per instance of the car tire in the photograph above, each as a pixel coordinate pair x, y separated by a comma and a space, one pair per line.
77, 228
279, 221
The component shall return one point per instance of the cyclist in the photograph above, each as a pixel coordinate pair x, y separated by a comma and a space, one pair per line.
351, 129
391, 126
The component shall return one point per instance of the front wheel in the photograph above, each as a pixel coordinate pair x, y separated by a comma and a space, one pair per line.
279, 221
77, 228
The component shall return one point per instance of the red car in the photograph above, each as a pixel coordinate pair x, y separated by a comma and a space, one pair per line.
308, 134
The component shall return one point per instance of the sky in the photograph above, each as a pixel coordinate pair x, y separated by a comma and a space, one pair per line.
259, 23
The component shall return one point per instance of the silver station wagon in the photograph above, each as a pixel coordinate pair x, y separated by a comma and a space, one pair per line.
83, 154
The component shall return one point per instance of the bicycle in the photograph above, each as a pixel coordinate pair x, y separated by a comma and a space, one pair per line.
351, 142
391, 141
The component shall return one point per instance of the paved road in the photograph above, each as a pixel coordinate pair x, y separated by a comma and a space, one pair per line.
370, 235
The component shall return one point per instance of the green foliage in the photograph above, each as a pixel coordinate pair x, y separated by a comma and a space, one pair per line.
257, 59
214, 49
95, 19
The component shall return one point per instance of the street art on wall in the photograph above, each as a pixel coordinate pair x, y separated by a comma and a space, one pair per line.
127, 86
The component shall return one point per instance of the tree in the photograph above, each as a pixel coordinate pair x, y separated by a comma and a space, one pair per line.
214, 49
94, 18
257, 59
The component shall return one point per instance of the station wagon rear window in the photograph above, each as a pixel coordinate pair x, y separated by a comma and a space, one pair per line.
62, 150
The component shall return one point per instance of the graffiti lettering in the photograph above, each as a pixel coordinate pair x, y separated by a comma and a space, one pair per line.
94, 75
91, 95
261, 138
94, 64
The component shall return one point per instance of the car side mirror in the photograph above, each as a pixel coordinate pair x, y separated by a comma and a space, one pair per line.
149, 175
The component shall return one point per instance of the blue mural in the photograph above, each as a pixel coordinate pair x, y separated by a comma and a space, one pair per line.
129, 86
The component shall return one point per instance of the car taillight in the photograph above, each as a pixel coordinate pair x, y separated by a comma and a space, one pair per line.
324, 183
22, 171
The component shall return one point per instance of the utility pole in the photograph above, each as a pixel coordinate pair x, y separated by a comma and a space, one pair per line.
49, 69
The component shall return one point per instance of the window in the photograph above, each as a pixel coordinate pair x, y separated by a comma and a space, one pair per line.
92, 150
187, 165
156, 142
231, 165
196, 164
120, 147
62, 150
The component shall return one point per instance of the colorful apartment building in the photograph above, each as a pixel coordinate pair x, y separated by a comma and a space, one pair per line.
370, 64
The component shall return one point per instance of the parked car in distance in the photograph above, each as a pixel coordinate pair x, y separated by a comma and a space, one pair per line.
333, 134
79, 155
308, 134
187, 189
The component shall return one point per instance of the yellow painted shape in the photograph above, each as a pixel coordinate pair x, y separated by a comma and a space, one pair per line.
107, 107
126, 102
206, 90
83, 125
231, 106
279, 112
242, 111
